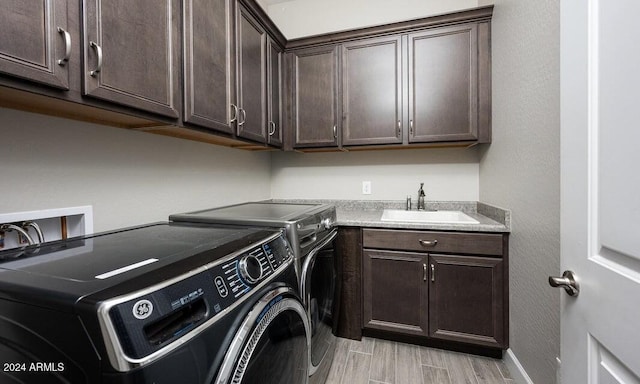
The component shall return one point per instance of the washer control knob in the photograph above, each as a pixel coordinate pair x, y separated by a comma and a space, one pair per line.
250, 269
326, 223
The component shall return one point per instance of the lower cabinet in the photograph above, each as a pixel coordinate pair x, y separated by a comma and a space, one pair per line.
453, 291
466, 299
395, 290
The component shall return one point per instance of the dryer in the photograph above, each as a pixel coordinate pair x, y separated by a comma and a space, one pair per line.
162, 303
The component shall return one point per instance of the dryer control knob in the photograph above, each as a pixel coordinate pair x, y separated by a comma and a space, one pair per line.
250, 269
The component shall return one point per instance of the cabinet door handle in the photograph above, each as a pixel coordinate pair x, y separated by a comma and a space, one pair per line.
335, 131
433, 273
428, 243
399, 130
98, 49
67, 46
235, 113
411, 127
272, 128
424, 271
243, 113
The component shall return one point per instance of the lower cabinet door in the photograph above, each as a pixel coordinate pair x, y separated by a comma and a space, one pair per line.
395, 292
466, 299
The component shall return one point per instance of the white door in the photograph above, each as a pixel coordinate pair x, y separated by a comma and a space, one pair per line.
600, 108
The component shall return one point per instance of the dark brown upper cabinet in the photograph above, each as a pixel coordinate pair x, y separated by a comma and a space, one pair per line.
372, 91
36, 43
316, 118
209, 70
274, 94
403, 84
443, 84
132, 53
221, 72
252, 83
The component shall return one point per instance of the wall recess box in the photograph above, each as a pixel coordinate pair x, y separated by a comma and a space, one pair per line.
54, 223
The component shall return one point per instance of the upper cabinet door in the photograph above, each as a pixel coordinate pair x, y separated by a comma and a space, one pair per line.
209, 78
132, 53
372, 91
443, 84
35, 43
315, 97
252, 59
274, 96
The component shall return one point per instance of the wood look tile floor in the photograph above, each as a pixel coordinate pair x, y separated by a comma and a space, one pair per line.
375, 361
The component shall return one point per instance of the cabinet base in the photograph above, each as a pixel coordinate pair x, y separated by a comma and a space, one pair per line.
495, 353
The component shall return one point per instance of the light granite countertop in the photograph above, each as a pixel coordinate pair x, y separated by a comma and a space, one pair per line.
368, 213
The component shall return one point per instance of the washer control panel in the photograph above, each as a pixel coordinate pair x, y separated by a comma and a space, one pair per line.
157, 317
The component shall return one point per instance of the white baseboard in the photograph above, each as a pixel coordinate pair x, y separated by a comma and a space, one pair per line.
515, 368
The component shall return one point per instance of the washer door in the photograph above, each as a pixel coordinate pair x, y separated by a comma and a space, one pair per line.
272, 345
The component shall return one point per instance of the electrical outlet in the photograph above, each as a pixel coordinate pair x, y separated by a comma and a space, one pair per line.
366, 187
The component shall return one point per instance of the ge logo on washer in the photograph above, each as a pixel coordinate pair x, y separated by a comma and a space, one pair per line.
142, 309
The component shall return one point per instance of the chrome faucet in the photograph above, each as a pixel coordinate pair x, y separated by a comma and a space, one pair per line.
421, 195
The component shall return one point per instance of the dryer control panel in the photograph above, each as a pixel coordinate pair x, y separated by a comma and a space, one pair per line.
150, 321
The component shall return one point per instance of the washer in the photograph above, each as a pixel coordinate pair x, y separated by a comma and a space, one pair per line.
162, 303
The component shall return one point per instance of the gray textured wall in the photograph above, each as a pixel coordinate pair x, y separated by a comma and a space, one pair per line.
520, 171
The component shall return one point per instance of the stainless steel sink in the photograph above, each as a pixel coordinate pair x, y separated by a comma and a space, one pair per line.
443, 217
